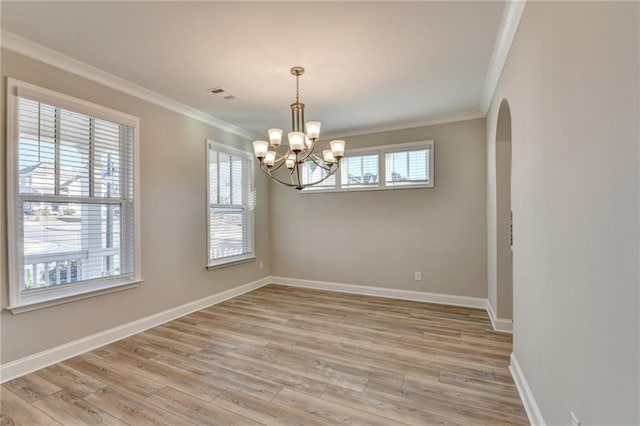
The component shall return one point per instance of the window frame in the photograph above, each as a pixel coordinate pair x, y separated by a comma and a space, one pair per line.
49, 296
248, 203
381, 151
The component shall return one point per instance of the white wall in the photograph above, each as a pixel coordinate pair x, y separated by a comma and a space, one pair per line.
380, 238
173, 221
571, 81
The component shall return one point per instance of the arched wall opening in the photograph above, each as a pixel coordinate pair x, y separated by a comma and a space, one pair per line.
504, 241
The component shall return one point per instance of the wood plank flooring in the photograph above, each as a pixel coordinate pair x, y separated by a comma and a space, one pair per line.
285, 356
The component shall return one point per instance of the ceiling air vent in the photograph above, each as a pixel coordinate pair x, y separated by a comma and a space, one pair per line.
220, 92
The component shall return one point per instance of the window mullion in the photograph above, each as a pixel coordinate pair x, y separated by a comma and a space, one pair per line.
218, 177
230, 179
56, 147
92, 162
382, 169
407, 155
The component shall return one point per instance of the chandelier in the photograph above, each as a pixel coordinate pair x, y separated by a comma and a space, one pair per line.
303, 166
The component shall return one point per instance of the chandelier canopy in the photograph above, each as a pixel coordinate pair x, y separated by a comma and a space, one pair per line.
305, 168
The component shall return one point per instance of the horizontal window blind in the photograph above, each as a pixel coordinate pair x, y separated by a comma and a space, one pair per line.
75, 198
230, 210
359, 171
311, 172
407, 167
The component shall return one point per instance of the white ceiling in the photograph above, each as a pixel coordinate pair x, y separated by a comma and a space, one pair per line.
369, 64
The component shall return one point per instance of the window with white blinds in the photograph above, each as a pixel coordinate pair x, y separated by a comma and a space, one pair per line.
231, 200
360, 171
404, 168
311, 172
398, 166
72, 200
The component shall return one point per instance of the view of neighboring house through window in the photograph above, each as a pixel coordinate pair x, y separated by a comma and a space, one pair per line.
359, 171
74, 201
231, 200
407, 167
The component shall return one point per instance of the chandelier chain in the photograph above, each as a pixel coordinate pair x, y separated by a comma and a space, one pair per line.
297, 88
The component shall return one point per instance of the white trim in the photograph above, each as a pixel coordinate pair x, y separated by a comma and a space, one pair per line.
248, 203
51, 57
530, 405
499, 324
73, 295
18, 301
380, 151
510, 21
430, 120
392, 293
235, 260
60, 353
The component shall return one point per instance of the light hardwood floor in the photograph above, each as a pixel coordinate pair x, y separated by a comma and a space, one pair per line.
285, 356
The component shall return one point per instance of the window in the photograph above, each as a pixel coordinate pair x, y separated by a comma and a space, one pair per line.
312, 173
73, 202
408, 165
231, 199
360, 171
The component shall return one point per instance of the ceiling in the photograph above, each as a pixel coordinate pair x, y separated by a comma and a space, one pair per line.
369, 64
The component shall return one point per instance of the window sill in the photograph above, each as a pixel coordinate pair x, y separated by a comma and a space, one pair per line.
33, 305
231, 263
364, 189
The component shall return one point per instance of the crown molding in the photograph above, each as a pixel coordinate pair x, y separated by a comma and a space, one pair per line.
510, 21
406, 124
56, 59
506, 35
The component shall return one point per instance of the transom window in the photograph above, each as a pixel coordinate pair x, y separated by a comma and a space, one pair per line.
72, 196
231, 200
408, 165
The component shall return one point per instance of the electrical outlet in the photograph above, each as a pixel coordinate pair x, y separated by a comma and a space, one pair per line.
574, 419
261, 265
418, 276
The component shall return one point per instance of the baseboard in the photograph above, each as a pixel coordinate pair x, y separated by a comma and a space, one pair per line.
419, 296
34, 362
530, 405
499, 324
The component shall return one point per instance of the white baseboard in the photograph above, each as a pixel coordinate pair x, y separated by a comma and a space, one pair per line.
499, 324
419, 296
34, 362
43, 359
530, 405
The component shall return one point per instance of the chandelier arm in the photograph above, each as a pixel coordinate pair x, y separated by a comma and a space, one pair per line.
298, 177
276, 167
331, 173
332, 170
323, 167
275, 179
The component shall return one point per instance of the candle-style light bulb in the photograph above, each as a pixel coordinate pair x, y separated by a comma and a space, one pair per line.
313, 129
275, 137
337, 148
296, 141
328, 157
260, 149
270, 159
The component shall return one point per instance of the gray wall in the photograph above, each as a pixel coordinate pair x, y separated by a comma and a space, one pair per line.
380, 238
572, 84
503, 302
173, 220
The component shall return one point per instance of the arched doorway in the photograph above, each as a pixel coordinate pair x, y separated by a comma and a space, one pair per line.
504, 217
